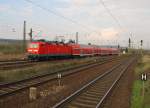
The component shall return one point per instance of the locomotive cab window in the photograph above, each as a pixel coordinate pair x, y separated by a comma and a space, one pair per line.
33, 45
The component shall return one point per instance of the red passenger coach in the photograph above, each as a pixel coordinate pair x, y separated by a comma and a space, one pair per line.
82, 50
86, 50
75, 49
104, 51
97, 50
115, 51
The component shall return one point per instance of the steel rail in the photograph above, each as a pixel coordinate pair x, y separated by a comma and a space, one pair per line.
78, 92
50, 76
113, 85
58, 71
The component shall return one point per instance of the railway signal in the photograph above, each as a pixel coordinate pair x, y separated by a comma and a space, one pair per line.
30, 34
77, 37
141, 46
141, 42
129, 42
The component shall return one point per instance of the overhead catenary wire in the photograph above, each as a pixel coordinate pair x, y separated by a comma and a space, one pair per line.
62, 16
110, 13
113, 16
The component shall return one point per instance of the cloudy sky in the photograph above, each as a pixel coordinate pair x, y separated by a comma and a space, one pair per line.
51, 18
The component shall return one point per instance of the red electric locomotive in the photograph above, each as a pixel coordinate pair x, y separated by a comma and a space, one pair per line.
45, 50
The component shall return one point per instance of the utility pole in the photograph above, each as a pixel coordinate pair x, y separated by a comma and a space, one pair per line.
77, 37
129, 43
118, 46
129, 46
141, 46
30, 34
24, 35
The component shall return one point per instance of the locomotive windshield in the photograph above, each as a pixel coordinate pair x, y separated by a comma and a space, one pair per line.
33, 45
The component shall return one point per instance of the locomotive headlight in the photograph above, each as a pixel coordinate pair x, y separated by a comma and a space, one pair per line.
35, 50
30, 50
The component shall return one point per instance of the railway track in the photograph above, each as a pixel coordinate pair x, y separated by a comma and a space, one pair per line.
94, 94
13, 64
13, 87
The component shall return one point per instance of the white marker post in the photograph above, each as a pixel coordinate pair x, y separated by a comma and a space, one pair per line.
59, 79
32, 93
143, 78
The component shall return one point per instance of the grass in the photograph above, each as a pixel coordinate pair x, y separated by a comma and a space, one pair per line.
147, 95
11, 48
138, 100
11, 51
